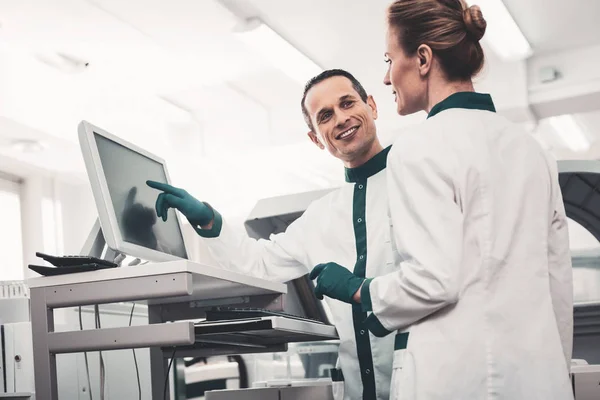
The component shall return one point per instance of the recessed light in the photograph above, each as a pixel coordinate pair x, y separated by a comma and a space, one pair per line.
27, 145
63, 62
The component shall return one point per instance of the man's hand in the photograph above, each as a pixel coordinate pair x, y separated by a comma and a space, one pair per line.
336, 282
194, 210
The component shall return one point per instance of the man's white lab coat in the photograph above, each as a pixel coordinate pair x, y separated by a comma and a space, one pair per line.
351, 227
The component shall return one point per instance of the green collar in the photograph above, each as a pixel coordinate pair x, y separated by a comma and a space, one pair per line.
370, 168
469, 100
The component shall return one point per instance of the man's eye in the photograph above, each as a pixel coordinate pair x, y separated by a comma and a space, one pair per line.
347, 104
325, 116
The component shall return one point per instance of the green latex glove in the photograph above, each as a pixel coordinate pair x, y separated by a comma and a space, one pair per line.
336, 282
194, 210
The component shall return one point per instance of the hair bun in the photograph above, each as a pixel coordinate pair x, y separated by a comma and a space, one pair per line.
474, 22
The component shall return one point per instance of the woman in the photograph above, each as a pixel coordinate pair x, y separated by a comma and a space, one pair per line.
485, 286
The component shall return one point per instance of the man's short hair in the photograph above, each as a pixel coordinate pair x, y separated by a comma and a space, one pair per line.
326, 75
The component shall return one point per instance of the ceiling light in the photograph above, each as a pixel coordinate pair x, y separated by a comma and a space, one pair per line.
278, 51
63, 62
26, 145
502, 33
570, 132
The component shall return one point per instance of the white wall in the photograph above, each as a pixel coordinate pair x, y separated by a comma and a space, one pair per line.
576, 88
78, 214
31, 216
57, 213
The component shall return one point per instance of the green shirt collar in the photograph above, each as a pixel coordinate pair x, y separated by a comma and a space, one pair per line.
370, 168
469, 100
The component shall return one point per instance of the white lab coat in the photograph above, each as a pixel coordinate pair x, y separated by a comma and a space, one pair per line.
325, 233
485, 284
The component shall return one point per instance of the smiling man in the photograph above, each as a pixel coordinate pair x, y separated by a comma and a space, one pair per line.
349, 226
341, 117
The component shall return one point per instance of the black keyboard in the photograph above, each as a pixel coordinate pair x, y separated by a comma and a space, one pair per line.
229, 313
66, 269
72, 261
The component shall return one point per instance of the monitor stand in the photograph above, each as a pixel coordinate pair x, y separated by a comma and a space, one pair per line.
95, 244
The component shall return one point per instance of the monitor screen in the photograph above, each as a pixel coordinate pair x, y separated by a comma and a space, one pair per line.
126, 173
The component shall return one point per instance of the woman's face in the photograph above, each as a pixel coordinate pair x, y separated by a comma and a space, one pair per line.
404, 75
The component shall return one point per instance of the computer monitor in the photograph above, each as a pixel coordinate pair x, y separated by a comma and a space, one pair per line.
118, 172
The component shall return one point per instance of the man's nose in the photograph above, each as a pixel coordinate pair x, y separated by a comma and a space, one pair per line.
341, 118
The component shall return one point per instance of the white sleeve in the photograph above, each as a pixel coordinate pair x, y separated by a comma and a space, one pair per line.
428, 232
282, 258
561, 271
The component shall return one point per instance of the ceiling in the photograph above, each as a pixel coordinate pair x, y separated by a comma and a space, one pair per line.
148, 68
555, 24
174, 79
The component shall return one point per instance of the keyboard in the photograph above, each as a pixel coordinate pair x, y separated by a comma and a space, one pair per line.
73, 261
66, 269
229, 313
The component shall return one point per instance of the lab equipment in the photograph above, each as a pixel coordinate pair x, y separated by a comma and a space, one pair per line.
118, 172
261, 331
16, 349
273, 215
14, 302
293, 390
586, 380
579, 181
176, 290
212, 373
225, 313
16, 359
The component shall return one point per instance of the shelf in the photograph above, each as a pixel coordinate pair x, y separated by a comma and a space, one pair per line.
161, 283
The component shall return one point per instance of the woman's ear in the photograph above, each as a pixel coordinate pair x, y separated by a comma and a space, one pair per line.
425, 59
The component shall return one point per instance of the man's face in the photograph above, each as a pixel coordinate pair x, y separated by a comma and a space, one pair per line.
342, 122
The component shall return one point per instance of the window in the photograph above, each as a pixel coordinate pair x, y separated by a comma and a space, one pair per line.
52, 226
11, 239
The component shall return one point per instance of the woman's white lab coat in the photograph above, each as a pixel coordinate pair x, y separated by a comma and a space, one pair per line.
485, 284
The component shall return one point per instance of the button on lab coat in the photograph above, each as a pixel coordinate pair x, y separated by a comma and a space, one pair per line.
485, 282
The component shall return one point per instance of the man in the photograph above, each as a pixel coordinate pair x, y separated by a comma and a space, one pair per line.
350, 225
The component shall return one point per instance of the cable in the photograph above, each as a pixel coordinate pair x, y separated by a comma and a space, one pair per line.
137, 371
195, 360
87, 367
102, 369
242, 370
167, 374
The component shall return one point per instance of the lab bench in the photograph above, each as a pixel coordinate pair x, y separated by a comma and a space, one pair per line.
175, 292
